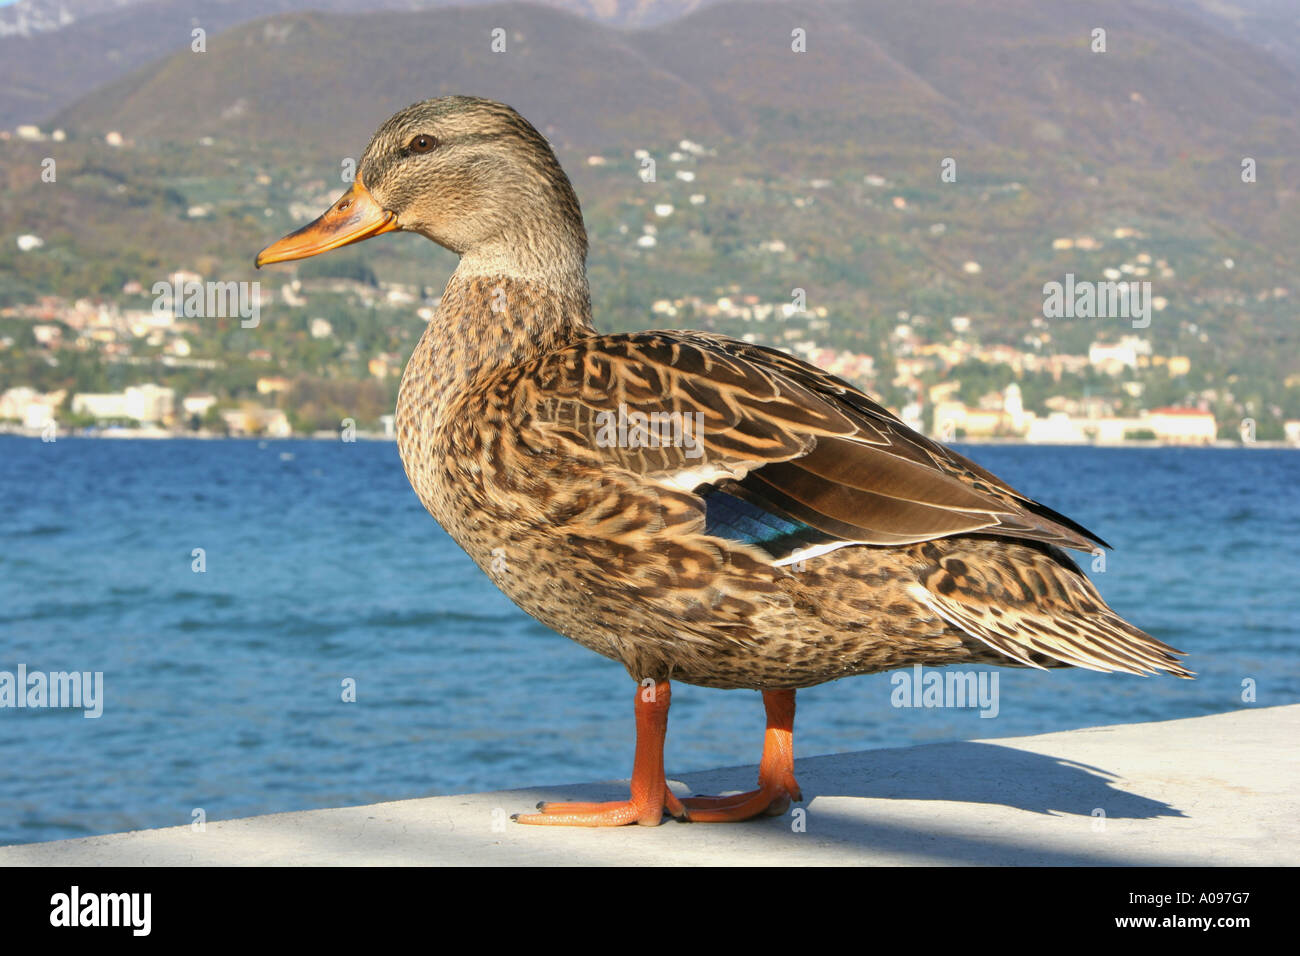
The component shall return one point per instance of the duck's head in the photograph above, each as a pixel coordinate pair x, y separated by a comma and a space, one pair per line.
470, 174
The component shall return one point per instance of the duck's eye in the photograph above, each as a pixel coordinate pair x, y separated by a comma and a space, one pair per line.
422, 144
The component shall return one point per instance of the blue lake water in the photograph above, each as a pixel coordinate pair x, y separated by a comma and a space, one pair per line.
223, 688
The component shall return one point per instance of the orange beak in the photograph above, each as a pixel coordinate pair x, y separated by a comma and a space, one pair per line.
354, 217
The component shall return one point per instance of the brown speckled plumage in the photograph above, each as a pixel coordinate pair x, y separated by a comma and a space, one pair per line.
497, 423
890, 549
587, 540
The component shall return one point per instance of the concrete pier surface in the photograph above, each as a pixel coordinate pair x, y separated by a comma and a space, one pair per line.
1203, 791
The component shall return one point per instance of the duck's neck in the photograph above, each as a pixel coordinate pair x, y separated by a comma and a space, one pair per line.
494, 315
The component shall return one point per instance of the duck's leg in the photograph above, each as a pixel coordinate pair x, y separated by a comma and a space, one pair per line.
650, 793
776, 783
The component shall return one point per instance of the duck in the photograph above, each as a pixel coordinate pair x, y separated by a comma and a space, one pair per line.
700, 509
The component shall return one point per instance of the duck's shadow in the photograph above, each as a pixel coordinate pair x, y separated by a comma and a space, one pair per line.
1082, 798
971, 772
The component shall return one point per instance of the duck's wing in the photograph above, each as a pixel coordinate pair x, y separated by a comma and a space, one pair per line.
784, 455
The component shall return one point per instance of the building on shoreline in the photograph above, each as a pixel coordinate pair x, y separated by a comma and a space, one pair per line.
148, 404
1169, 426
256, 421
1183, 426
30, 408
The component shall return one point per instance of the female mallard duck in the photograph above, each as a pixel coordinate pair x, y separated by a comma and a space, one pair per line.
697, 508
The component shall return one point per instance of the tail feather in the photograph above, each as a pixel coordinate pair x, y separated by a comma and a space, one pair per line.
1028, 603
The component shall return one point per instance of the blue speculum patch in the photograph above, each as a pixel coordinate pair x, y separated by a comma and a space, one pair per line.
726, 516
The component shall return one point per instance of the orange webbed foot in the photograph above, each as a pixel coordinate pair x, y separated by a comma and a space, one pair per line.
613, 813
650, 797
771, 799
777, 787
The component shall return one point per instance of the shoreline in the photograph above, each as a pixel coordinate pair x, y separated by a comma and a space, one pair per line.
163, 434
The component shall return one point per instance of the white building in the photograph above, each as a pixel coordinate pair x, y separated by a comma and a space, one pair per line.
1056, 429
100, 405
1112, 431
37, 415
29, 406
148, 404
198, 404
1183, 426
1114, 357
1014, 406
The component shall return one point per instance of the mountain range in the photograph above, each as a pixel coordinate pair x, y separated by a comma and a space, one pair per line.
92, 42
819, 132
1170, 108
96, 41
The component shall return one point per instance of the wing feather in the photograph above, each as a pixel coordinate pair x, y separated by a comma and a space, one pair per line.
791, 437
